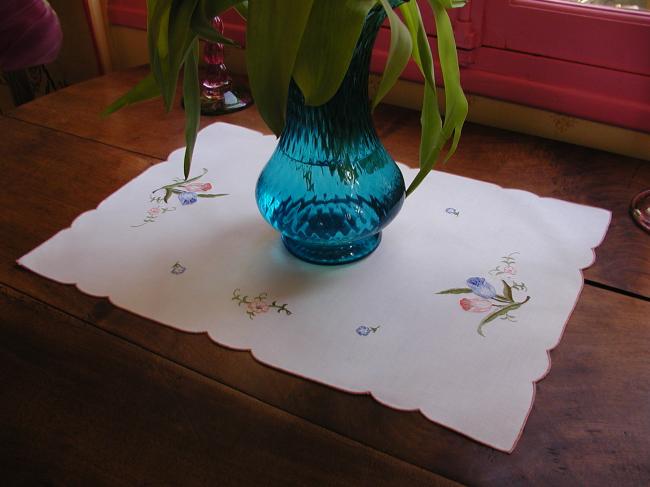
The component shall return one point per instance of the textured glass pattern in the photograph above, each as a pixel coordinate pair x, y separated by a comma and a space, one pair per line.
330, 186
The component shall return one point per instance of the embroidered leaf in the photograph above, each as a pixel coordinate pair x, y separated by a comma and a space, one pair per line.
507, 290
399, 52
460, 290
203, 195
168, 194
501, 299
501, 312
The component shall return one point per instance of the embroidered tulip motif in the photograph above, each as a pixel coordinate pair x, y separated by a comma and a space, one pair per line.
187, 191
475, 305
489, 301
481, 287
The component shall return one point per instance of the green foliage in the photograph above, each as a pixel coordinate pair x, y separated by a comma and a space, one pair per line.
323, 58
192, 100
146, 89
455, 101
273, 35
311, 41
398, 53
201, 22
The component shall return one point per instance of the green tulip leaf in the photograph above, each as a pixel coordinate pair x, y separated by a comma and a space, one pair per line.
275, 29
192, 101
157, 28
205, 11
399, 53
455, 101
327, 47
180, 39
242, 9
430, 119
146, 89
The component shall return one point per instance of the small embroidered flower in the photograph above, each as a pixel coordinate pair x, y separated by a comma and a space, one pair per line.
258, 307
481, 287
187, 198
258, 304
177, 268
154, 211
194, 187
364, 330
475, 305
509, 270
453, 211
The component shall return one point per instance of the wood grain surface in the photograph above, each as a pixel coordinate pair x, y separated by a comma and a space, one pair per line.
87, 386
547, 168
86, 408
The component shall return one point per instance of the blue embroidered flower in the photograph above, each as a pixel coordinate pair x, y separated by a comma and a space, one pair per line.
363, 331
481, 287
187, 198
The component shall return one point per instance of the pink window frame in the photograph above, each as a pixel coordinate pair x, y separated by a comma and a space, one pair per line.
591, 63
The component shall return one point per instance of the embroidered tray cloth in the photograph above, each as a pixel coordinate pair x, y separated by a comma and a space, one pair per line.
453, 315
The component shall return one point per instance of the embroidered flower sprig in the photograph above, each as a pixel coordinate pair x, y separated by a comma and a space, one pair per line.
258, 304
488, 300
187, 191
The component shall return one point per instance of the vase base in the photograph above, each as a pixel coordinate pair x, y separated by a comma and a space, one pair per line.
332, 254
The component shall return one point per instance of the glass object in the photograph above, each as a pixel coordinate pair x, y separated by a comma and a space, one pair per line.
330, 186
218, 93
640, 209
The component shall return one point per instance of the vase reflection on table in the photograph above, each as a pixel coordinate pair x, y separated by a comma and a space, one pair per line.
330, 186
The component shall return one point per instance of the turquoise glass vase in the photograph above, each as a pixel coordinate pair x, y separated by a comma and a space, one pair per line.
330, 187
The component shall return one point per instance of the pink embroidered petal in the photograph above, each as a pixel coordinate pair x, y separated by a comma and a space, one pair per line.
475, 305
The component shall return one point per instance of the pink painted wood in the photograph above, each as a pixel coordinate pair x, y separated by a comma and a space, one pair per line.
553, 75
598, 36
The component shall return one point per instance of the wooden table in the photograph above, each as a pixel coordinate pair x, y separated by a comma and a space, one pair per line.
93, 395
